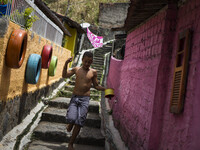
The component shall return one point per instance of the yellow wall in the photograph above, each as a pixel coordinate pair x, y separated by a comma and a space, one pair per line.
12, 81
70, 42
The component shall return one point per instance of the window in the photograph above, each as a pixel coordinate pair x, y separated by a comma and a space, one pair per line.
180, 72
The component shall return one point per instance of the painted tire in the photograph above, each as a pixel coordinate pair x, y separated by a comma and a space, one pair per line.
52, 66
16, 48
46, 56
33, 69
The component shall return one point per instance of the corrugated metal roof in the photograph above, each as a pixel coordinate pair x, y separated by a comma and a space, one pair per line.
51, 16
70, 22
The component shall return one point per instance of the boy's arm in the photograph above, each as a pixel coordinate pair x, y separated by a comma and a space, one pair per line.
95, 83
67, 73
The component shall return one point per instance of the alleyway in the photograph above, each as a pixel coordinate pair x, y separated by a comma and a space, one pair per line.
50, 132
150, 60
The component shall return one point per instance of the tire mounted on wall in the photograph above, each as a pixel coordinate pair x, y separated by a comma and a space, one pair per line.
46, 56
52, 66
16, 48
33, 69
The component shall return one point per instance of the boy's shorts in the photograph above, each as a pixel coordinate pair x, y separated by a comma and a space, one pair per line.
77, 110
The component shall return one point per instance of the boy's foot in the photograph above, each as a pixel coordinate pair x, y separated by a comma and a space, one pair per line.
70, 147
69, 127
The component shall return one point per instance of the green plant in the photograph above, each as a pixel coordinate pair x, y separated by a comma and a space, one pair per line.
80, 10
3, 2
16, 14
29, 19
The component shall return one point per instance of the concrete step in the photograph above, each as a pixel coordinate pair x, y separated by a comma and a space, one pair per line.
69, 87
63, 102
99, 61
98, 58
64, 93
99, 71
97, 65
101, 68
108, 44
56, 132
103, 50
42, 145
95, 97
58, 115
101, 53
71, 82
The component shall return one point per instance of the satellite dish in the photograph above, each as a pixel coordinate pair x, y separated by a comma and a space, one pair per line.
85, 25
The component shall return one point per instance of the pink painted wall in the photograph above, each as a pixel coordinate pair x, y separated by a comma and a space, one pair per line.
143, 81
182, 132
136, 82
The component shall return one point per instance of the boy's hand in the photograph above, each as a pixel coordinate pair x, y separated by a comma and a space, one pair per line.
69, 60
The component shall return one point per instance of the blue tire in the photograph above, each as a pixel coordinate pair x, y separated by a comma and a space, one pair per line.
33, 69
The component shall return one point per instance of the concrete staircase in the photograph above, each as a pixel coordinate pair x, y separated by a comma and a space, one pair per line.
98, 60
51, 133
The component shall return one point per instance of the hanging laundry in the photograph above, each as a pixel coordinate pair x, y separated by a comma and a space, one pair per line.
97, 41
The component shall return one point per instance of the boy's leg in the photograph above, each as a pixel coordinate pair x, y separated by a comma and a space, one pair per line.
71, 115
75, 132
69, 127
82, 113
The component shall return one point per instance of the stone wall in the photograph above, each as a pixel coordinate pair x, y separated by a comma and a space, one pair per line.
17, 97
112, 15
144, 82
12, 112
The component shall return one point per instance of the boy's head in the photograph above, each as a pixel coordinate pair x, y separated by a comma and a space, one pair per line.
88, 54
87, 60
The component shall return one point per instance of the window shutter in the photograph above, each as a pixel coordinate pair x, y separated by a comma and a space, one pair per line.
180, 72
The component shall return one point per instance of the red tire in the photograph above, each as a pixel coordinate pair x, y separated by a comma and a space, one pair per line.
16, 48
46, 56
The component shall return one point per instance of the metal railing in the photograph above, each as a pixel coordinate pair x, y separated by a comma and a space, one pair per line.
42, 26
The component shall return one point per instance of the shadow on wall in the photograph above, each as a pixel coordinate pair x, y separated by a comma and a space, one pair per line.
47, 81
39, 81
24, 87
5, 74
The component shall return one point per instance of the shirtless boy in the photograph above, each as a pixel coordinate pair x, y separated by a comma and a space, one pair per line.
78, 107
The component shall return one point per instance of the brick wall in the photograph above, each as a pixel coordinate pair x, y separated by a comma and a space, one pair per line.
141, 112
182, 131
137, 82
